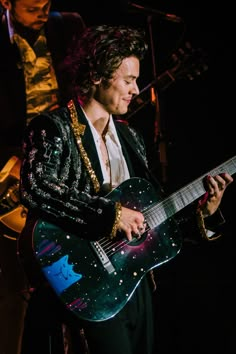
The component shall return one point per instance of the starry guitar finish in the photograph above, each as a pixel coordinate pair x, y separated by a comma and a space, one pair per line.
95, 279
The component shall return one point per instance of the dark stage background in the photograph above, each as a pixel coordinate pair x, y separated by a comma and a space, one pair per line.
195, 300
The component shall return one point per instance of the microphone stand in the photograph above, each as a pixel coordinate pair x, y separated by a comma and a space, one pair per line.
158, 134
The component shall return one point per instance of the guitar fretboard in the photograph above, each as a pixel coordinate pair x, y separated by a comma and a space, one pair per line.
158, 213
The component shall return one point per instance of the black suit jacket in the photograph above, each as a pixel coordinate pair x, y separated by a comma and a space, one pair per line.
66, 189
60, 30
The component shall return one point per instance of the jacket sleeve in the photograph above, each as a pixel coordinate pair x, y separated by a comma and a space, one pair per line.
55, 184
195, 229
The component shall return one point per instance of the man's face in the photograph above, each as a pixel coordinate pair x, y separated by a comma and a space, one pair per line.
29, 13
122, 87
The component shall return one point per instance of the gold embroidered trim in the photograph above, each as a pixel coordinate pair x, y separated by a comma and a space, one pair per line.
201, 225
117, 220
78, 130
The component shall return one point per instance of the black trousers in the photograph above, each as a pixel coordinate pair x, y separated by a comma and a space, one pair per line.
129, 332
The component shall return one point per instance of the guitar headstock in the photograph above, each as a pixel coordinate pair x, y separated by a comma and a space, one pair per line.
187, 62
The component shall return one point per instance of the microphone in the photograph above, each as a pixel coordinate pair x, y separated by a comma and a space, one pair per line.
163, 15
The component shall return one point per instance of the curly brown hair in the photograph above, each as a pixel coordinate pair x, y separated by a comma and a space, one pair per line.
98, 54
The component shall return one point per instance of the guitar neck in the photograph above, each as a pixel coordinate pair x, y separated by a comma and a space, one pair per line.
185, 196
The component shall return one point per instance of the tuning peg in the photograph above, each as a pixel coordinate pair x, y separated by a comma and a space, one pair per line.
190, 77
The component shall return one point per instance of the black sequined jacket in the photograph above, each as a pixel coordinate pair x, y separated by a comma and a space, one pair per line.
58, 184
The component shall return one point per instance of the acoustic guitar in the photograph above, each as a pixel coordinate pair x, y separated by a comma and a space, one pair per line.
95, 279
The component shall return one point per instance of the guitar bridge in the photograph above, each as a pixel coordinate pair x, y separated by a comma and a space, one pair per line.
101, 254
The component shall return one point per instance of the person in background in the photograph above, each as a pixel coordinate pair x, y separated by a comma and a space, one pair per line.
33, 44
75, 158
